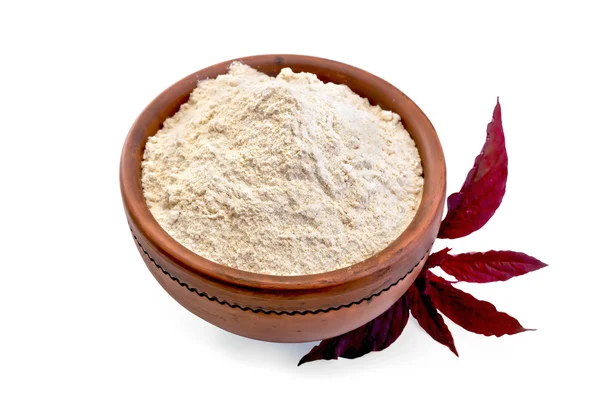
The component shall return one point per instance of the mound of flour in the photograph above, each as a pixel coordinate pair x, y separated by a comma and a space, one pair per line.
281, 176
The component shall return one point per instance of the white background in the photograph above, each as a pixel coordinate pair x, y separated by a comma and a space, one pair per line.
81, 316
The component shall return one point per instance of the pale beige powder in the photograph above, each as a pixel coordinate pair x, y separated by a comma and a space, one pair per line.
282, 176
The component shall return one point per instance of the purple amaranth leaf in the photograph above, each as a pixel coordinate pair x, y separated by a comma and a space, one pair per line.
435, 259
373, 336
465, 310
491, 266
482, 192
424, 311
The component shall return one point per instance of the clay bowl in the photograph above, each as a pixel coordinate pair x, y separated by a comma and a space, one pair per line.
280, 308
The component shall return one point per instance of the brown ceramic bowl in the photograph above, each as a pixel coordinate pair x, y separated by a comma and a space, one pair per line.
282, 308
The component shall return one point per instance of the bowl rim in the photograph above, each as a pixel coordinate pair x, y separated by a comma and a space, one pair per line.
154, 234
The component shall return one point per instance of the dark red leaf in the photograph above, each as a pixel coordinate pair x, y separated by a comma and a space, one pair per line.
435, 259
430, 276
492, 266
422, 308
482, 191
465, 310
373, 336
